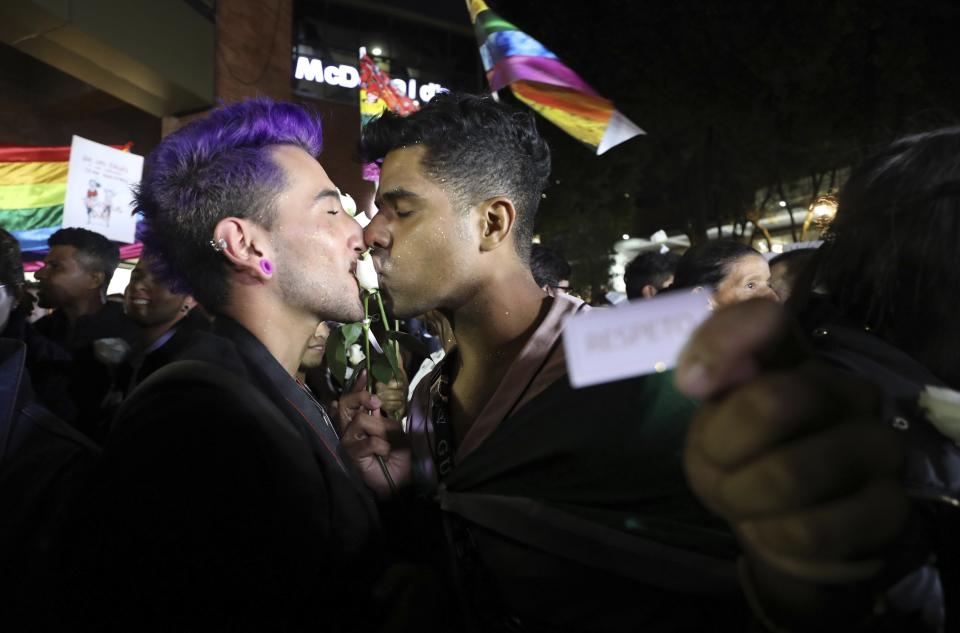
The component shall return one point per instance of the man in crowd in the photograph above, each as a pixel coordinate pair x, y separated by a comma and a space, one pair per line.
166, 319
73, 282
649, 273
223, 500
568, 508
550, 270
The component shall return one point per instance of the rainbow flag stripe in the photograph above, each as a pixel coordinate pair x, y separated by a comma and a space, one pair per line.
539, 79
377, 96
33, 184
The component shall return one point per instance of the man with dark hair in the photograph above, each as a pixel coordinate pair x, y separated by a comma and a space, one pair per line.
649, 273
550, 270
73, 281
223, 500
569, 510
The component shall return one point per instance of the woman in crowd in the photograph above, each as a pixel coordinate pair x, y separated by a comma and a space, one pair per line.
733, 271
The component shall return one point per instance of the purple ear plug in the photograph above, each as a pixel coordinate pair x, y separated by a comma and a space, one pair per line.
266, 266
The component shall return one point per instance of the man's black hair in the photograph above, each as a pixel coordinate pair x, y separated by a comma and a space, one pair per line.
706, 264
94, 252
549, 268
477, 147
649, 269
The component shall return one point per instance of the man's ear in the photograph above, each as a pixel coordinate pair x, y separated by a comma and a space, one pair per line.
649, 291
244, 245
497, 216
96, 280
189, 303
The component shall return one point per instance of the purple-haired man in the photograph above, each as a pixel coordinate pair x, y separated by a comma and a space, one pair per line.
224, 500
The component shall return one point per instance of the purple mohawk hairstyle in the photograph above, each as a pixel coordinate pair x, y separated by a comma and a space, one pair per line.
217, 167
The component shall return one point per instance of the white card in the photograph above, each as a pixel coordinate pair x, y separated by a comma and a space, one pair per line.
642, 337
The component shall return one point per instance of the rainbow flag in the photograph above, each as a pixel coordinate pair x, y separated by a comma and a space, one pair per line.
377, 96
33, 186
540, 80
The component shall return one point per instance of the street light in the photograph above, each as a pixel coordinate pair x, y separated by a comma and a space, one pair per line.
821, 212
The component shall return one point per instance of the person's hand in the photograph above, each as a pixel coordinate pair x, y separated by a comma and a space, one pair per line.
393, 397
789, 451
367, 434
356, 399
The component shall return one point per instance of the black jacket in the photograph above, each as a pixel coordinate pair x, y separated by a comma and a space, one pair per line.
224, 502
44, 464
90, 380
49, 366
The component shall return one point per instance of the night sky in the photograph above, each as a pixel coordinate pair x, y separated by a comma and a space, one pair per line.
736, 97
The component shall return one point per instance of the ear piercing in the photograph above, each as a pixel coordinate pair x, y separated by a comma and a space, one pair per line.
266, 267
219, 245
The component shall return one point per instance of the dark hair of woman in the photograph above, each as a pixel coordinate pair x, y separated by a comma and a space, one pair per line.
706, 264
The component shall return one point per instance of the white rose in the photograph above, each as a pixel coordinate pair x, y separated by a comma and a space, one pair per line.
355, 355
366, 273
111, 351
350, 206
348, 203
942, 407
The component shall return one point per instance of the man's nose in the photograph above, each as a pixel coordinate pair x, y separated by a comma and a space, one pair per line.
355, 238
376, 234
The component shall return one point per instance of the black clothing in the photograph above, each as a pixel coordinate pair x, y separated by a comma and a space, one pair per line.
44, 462
109, 322
931, 473
141, 364
225, 502
574, 515
90, 378
48, 364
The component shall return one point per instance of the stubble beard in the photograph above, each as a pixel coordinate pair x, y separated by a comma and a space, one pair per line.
317, 299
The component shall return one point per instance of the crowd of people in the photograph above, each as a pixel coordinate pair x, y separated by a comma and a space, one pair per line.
186, 460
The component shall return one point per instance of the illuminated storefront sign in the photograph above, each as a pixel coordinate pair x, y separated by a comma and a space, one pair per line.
333, 74
348, 77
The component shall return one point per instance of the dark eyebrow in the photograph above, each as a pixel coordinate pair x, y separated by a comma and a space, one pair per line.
395, 195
